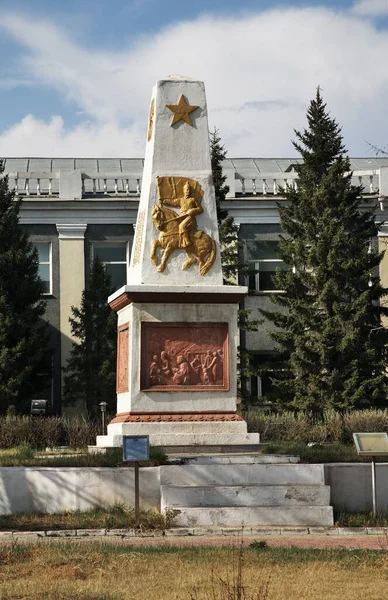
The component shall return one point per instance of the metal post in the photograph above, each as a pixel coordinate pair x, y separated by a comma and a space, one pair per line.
374, 486
137, 495
103, 413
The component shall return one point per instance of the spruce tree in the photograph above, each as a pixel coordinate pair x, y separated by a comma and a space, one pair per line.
231, 252
25, 357
90, 374
228, 230
328, 331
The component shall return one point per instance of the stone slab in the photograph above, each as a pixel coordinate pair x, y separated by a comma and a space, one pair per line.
173, 496
61, 533
91, 532
291, 474
180, 427
254, 516
212, 449
186, 439
232, 459
183, 292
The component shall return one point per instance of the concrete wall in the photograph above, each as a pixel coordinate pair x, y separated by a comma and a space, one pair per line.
54, 490
351, 486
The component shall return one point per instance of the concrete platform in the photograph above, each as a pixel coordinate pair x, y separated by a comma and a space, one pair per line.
242, 474
311, 516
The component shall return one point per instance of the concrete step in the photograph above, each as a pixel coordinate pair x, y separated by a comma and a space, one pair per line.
233, 459
184, 442
204, 439
237, 474
212, 448
310, 516
174, 496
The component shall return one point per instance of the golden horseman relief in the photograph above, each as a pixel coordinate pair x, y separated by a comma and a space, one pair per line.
179, 230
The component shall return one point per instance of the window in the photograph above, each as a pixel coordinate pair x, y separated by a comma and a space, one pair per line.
263, 261
260, 384
44, 252
115, 258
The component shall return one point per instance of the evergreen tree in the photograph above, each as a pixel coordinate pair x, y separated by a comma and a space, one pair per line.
231, 251
90, 374
228, 230
25, 358
328, 330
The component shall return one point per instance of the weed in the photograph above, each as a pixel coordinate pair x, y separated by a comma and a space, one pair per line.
233, 585
360, 519
259, 545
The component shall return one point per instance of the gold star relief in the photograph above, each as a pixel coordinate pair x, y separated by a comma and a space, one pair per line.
181, 111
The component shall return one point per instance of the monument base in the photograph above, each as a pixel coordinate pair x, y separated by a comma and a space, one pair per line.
180, 430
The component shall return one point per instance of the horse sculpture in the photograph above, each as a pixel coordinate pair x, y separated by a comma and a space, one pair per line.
202, 248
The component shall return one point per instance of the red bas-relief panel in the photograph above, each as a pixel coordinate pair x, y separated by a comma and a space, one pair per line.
184, 356
122, 384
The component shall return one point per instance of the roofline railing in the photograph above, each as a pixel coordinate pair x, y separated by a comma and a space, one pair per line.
80, 184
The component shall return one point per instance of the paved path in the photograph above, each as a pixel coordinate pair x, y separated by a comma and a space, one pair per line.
335, 537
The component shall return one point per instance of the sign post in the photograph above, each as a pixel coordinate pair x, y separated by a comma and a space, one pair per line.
372, 444
136, 448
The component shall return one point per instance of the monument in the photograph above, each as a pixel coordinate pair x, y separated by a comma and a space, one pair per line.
177, 321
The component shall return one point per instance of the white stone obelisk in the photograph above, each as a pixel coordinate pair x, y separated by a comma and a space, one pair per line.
177, 322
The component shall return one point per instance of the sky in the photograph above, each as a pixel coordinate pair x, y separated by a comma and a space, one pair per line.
76, 75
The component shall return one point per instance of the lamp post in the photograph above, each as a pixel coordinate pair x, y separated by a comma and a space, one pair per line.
103, 405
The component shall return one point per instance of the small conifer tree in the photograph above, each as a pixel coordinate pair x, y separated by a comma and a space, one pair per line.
25, 356
90, 374
328, 330
228, 230
232, 267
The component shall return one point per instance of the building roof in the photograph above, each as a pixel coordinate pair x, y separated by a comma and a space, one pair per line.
248, 166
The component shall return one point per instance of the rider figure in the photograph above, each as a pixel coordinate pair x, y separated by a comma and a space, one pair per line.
190, 207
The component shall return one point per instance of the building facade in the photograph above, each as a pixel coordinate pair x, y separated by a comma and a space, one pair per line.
76, 209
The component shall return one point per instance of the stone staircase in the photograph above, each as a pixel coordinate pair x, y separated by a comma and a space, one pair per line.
245, 490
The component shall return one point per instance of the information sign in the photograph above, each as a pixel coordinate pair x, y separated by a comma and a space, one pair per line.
371, 444
136, 448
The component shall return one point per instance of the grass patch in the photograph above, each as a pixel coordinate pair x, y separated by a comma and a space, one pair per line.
116, 571
325, 453
25, 456
361, 519
114, 517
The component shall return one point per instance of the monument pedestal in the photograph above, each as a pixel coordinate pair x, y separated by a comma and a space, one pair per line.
189, 402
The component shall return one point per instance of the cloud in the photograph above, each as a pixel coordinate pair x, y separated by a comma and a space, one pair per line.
260, 72
371, 8
36, 137
12, 83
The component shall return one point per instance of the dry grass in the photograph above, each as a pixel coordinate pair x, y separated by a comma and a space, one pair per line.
25, 456
117, 516
97, 571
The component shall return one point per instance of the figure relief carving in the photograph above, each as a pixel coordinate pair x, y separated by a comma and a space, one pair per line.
151, 120
184, 356
138, 238
122, 384
179, 230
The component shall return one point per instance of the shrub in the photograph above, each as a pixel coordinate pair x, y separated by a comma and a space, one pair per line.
42, 432
290, 427
81, 432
